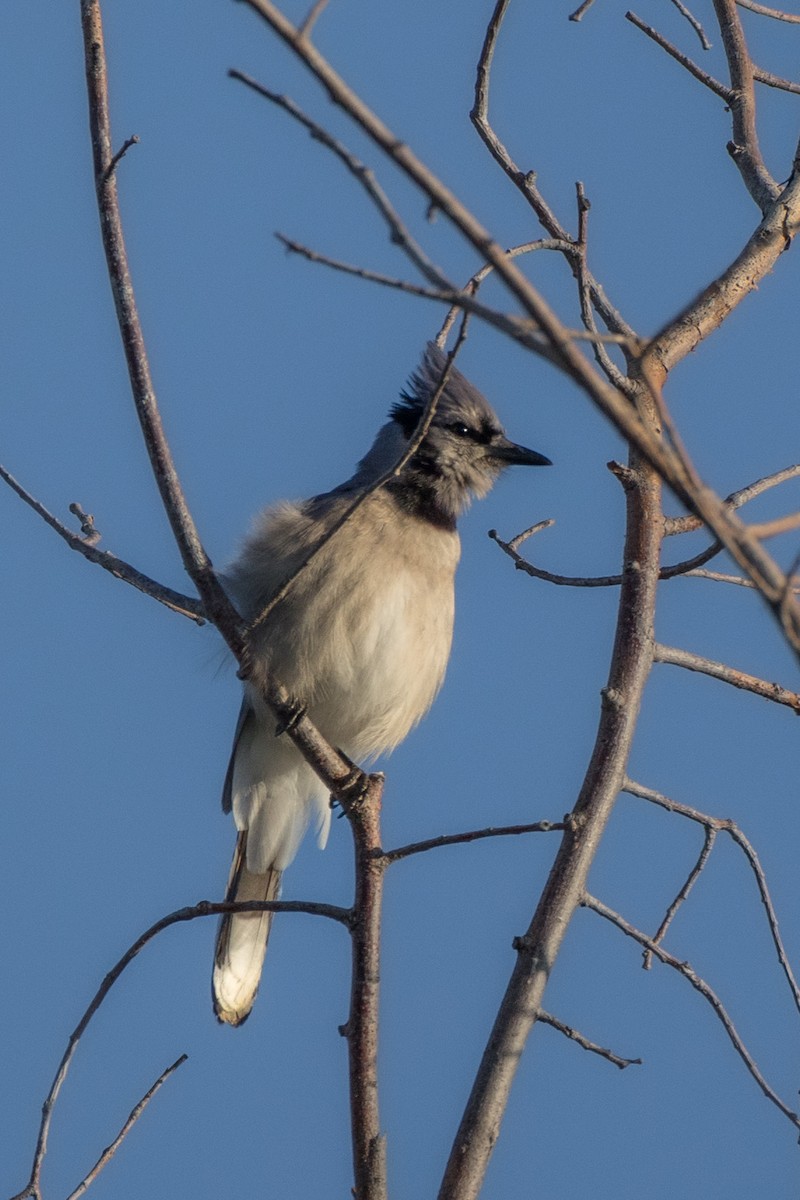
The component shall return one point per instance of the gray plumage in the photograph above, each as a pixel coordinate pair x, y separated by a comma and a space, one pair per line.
361, 640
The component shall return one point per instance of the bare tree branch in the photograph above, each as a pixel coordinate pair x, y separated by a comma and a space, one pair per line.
338, 774
718, 670
135, 1113
775, 81
764, 11
398, 231
709, 838
186, 606
473, 835
195, 560
591, 581
773, 235
361, 1028
464, 300
548, 1019
525, 181
737, 580
722, 825
714, 85
538, 948
695, 24
581, 11
584, 281
674, 525
313, 14
705, 990
204, 909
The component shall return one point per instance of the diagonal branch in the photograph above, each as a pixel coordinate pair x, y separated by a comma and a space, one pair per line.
204, 909
336, 771
738, 679
764, 11
705, 990
538, 948
723, 825
547, 1018
195, 559
398, 231
136, 1112
186, 606
770, 240
710, 835
525, 181
735, 499
744, 149
472, 835
720, 89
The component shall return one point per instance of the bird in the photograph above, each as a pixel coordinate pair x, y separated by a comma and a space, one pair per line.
361, 639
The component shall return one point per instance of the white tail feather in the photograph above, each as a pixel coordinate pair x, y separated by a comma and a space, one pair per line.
242, 940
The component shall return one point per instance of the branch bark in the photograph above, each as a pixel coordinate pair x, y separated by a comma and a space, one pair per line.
538, 947
771, 238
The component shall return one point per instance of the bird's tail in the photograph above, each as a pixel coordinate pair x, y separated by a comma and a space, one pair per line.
242, 939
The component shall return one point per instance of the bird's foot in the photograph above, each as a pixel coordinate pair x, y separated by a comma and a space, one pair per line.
292, 712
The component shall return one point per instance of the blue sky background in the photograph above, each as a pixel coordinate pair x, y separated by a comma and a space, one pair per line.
273, 376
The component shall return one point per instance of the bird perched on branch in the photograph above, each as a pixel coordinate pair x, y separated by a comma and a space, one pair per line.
361, 639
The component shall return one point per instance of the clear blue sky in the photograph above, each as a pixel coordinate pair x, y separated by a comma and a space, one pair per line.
273, 376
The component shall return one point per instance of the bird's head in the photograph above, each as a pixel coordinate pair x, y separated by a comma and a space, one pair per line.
465, 448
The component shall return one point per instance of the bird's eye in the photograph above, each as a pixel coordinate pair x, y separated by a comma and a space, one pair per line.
460, 429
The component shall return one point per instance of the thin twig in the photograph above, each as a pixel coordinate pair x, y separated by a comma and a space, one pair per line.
674, 342
723, 825
717, 670
764, 11
672, 526
186, 606
774, 528
589, 581
136, 1112
580, 11
123, 150
709, 837
474, 282
520, 330
695, 24
686, 524
311, 19
714, 85
548, 1019
775, 81
204, 909
473, 835
705, 990
525, 181
736, 580
584, 282
399, 233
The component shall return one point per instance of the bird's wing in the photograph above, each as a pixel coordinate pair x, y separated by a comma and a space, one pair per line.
246, 717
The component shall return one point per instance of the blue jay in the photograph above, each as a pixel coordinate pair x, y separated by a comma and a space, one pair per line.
361, 639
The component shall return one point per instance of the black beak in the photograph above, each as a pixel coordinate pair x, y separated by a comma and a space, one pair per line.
517, 456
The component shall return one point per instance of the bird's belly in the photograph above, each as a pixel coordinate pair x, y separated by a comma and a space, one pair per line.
369, 664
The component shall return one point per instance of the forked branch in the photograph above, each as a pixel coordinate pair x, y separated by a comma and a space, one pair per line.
705, 990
